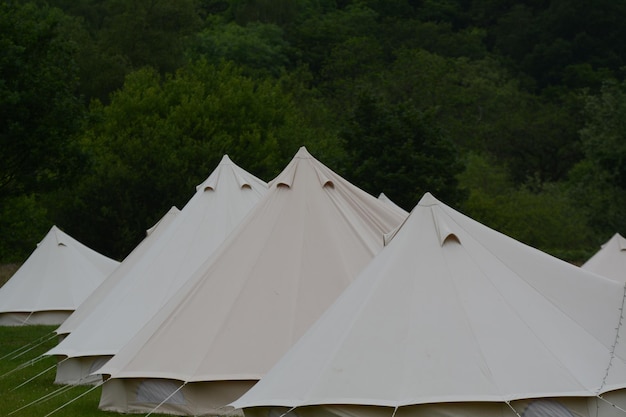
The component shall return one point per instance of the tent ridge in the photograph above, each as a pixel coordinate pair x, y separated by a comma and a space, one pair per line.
241, 180
211, 183
444, 230
323, 178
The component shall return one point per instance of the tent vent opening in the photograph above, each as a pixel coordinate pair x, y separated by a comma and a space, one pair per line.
282, 185
209, 188
450, 238
444, 231
246, 186
160, 391
323, 179
546, 408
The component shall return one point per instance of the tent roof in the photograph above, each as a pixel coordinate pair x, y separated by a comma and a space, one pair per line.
610, 260
387, 200
453, 311
153, 234
291, 257
218, 205
59, 274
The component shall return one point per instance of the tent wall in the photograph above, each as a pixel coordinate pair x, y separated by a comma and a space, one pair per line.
76, 371
556, 407
45, 318
198, 398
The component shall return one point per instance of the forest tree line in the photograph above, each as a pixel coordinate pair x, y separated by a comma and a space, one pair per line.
513, 112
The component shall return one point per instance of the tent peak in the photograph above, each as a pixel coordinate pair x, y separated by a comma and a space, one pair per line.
428, 200
59, 236
303, 153
287, 177
225, 160
225, 167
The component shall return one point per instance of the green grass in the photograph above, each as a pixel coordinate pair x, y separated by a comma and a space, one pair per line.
12, 339
12, 398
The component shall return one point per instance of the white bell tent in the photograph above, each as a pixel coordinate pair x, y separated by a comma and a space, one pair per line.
387, 200
455, 319
153, 234
299, 248
218, 205
610, 260
54, 280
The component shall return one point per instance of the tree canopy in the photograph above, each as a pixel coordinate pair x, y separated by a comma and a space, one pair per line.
510, 111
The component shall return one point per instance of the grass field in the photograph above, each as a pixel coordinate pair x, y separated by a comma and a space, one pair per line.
12, 397
13, 356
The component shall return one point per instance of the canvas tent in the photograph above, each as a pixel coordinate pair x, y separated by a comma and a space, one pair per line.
610, 260
455, 319
387, 200
297, 250
153, 234
218, 205
54, 280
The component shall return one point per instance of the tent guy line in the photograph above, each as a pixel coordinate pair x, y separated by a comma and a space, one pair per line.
29, 346
63, 389
166, 399
23, 365
74, 399
47, 337
34, 377
617, 330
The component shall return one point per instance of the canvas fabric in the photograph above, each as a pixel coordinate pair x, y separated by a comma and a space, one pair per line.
44, 318
54, 280
452, 311
138, 395
610, 260
299, 248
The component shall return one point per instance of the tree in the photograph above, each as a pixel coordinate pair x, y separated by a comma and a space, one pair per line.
483, 109
316, 36
259, 47
124, 36
598, 182
38, 106
398, 150
544, 217
551, 40
160, 136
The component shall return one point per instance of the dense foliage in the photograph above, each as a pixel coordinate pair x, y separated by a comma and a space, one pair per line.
510, 111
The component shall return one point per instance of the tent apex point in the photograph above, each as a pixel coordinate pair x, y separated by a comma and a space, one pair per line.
226, 160
303, 153
428, 200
